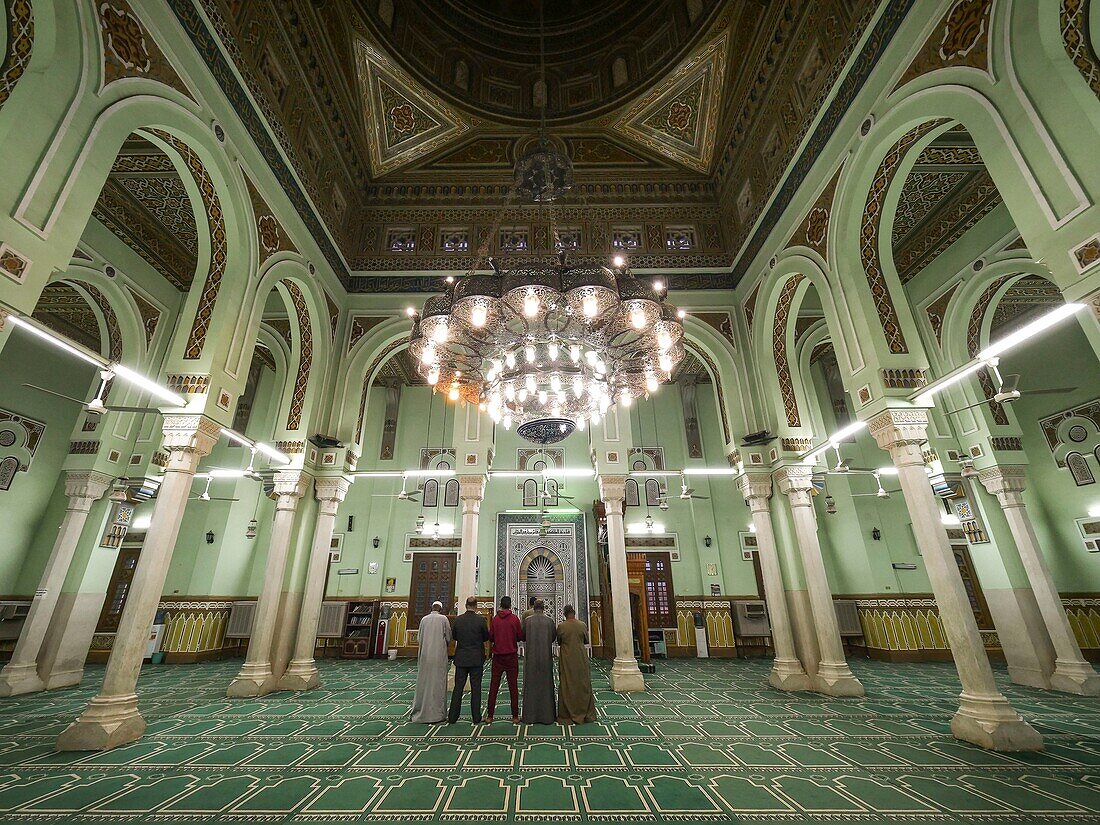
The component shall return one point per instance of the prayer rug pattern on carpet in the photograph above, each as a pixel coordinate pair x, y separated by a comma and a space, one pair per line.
708, 742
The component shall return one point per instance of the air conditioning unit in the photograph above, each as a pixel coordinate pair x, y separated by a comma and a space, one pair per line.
847, 616
331, 623
241, 616
751, 619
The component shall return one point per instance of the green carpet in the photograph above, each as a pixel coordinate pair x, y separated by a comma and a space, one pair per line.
709, 742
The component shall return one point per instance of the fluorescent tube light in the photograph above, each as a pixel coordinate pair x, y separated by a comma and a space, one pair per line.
950, 519
833, 440
60, 343
219, 472
150, 386
232, 435
271, 452
1040, 324
403, 473
711, 471
923, 397
887, 471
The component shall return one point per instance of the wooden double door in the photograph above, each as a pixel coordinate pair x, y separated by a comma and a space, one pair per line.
433, 579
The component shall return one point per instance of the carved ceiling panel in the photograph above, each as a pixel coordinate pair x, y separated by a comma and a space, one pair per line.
65, 311
145, 204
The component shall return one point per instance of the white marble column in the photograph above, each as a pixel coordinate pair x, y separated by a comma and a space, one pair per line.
301, 673
787, 672
833, 677
625, 675
112, 718
984, 717
1072, 674
83, 488
256, 677
471, 492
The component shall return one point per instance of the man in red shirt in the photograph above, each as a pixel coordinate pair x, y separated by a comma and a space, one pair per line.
505, 631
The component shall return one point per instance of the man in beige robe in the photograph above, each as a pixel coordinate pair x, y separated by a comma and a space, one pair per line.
576, 705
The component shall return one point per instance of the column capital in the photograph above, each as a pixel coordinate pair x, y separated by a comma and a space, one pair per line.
612, 489
1005, 481
331, 490
471, 487
87, 484
755, 486
192, 435
290, 485
794, 479
899, 427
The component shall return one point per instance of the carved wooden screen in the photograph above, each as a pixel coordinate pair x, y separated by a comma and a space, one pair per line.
660, 599
118, 589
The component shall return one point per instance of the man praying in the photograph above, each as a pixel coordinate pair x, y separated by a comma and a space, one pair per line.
576, 704
430, 700
505, 633
538, 667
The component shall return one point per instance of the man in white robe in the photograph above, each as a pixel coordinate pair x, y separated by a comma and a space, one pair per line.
430, 701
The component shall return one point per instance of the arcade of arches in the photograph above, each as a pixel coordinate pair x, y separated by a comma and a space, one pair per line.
812, 592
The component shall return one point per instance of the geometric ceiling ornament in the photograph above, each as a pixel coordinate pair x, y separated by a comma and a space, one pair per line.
404, 121
678, 117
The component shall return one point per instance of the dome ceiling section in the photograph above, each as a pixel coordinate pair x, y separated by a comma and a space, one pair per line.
404, 122
484, 54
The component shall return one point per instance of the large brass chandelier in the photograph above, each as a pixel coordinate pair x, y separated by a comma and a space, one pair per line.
549, 349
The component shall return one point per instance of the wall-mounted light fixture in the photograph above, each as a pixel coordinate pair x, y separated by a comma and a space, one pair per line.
830, 505
209, 536
250, 530
351, 523
876, 534
707, 540
375, 542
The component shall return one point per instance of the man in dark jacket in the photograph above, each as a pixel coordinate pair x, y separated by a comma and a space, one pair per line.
470, 635
505, 632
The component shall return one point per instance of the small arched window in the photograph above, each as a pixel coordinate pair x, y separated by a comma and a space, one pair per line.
551, 499
450, 493
652, 493
530, 493
633, 494
1080, 470
431, 493
619, 75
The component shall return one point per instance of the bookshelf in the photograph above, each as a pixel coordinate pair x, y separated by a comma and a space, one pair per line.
360, 621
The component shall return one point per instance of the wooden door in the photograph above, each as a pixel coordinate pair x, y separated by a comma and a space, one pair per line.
972, 585
433, 580
118, 589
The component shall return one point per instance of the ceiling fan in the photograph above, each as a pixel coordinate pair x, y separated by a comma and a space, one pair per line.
205, 494
1008, 390
548, 496
881, 492
404, 495
686, 492
249, 472
97, 405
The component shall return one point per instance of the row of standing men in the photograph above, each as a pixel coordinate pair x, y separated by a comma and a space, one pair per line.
504, 632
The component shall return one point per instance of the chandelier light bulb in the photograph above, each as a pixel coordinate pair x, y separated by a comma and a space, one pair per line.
658, 286
555, 411
589, 306
590, 356
479, 315
651, 383
529, 381
580, 423
552, 350
433, 376
625, 399
664, 361
530, 304
578, 386
529, 354
664, 340
601, 368
681, 314
428, 356
522, 395
439, 334
507, 422
542, 396
637, 318
555, 382
619, 261
574, 353
452, 393
510, 360
410, 312
510, 392
594, 419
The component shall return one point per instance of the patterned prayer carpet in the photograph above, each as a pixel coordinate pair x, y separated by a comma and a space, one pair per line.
708, 742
